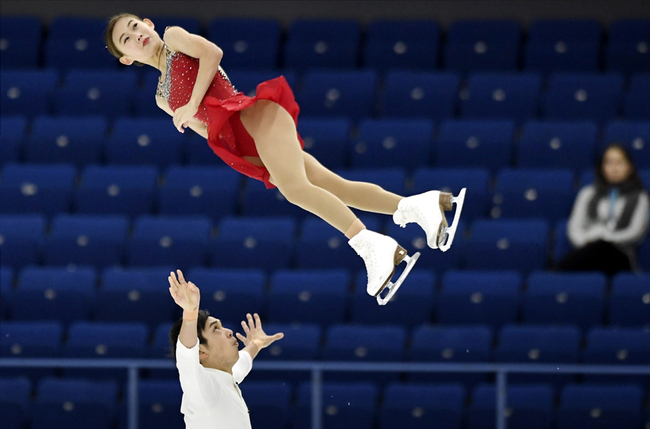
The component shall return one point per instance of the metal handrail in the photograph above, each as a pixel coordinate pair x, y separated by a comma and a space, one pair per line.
317, 367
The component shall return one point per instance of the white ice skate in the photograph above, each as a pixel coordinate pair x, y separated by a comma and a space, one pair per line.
428, 211
381, 254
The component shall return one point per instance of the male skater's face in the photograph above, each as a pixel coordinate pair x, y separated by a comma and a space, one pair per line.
222, 347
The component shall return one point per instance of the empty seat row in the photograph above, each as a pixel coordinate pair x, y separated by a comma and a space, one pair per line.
345, 404
406, 143
551, 45
331, 296
355, 94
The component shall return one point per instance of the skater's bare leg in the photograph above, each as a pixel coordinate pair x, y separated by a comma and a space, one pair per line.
276, 140
359, 195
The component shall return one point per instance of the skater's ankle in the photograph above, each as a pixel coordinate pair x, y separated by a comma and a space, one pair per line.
356, 227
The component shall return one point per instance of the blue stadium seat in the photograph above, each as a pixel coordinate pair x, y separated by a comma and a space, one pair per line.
27, 92
516, 244
345, 405
135, 295
206, 191
191, 25
357, 343
21, 240
561, 245
576, 96
565, 298
326, 139
308, 296
479, 297
144, 103
386, 143
86, 240
144, 141
322, 43
635, 103
473, 143
528, 406
230, 293
401, 44
482, 45
635, 136
268, 402
476, 180
503, 96
411, 306
20, 42
539, 344
595, 405
338, 93
629, 299
198, 152
30, 339
127, 190
158, 405
15, 398
102, 340
563, 45
262, 202
180, 241
420, 406
252, 43
557, 144
418, 94
450, 344
321, 246
66, 403
76, 42
617, 346
246, 80
247, 242
77, 140
524, 193
628, 45
6, 290
37, 189
12, 135
92, 92
160, 348
52, 293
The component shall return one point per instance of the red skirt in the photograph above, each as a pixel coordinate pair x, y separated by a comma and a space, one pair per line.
227, 136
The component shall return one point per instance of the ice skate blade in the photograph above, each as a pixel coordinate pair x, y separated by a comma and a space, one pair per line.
444, 245
393, 287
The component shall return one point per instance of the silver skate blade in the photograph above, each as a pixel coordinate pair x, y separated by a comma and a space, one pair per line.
393, 287
451, 231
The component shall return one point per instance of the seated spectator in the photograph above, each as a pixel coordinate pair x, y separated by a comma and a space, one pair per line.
609, 218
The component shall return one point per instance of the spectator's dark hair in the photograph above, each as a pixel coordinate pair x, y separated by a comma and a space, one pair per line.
108, 36
630, 187
176, 331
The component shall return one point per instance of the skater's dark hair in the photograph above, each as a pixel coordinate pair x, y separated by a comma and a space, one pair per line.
630, 187
176, 331
108, 35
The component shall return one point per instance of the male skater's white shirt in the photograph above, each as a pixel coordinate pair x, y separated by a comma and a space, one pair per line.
211, 399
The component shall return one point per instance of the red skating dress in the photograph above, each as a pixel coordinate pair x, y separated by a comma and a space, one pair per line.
220, 108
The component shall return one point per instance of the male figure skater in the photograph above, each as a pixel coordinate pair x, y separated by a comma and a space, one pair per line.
209, 362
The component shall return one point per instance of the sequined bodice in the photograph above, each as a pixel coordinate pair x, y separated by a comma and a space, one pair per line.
180, 75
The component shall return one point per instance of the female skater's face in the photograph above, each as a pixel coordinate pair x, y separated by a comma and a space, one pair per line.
137, 39
616, 167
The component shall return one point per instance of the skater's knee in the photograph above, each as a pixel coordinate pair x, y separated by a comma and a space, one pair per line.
295, 191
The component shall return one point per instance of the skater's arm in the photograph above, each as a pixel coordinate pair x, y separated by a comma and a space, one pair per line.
209, 56
256, 339
197, 126
638, 226
580, 229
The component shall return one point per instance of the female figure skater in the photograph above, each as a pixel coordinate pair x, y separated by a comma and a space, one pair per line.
609, 218
257, 136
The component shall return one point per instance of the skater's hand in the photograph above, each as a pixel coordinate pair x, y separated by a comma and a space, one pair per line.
182, 116
255, 333
185, 294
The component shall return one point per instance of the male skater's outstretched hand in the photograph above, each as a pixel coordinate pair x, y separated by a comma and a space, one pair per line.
185, 294
256, 339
